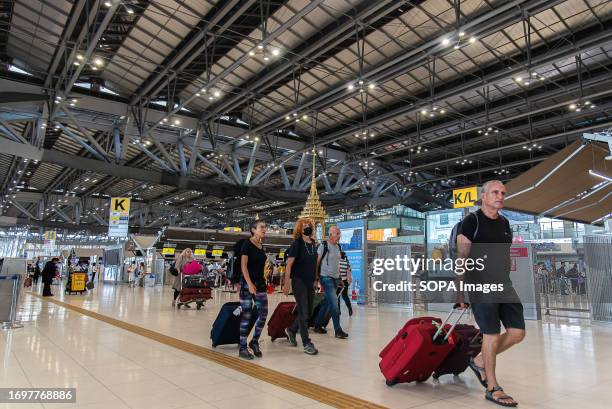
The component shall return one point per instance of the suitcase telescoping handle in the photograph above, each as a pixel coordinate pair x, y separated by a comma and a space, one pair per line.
450, 331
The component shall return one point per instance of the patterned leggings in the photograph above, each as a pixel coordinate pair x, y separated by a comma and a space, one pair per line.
246, 302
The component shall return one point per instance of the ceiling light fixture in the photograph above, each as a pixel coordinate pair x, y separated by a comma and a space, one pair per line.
578, 106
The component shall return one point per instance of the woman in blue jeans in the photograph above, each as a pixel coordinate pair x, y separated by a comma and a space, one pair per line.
253, 289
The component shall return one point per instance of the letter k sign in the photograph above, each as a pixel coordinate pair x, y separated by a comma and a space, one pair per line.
458, 198
119, 205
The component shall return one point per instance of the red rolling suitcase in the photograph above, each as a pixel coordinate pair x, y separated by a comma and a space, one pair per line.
469, 344
281, 318
417, 350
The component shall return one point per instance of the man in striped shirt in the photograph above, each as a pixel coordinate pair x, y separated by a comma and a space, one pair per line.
344, 268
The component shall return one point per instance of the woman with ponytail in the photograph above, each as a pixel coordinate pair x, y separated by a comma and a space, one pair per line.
253, 289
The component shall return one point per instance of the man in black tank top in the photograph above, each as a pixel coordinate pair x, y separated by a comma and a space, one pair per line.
486, 235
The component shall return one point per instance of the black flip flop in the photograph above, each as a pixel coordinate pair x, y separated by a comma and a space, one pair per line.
477, 370
489, 396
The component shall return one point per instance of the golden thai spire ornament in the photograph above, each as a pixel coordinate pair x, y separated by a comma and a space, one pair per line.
313, 209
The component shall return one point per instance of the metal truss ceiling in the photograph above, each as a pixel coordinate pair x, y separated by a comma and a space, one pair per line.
211, 111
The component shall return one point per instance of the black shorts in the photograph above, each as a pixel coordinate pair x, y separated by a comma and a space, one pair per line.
488, 316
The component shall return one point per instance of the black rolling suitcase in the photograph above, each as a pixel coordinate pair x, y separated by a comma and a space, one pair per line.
317, 303
226, 328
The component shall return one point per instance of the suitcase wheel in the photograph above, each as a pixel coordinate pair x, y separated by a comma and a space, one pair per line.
178, 306
435, 376
391, 382
199, 306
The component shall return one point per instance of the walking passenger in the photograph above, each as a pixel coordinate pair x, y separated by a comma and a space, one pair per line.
253, 289
346, 277
486, 234
186, 265
300, 276
328, 263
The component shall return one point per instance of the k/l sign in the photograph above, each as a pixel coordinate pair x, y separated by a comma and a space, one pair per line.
465, 197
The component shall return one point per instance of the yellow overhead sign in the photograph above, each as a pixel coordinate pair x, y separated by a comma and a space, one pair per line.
168, 251
199, 252
217, 253
120, 204
465, 197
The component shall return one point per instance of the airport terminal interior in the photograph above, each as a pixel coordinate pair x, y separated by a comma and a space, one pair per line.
171, 170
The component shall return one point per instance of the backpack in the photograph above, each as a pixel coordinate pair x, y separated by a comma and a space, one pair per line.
235, 267
325, 251
172, 269
452, 241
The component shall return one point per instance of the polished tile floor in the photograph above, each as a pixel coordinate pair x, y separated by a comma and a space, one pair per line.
561, 364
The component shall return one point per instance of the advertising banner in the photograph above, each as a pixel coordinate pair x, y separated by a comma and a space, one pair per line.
119, 217
382, 234
352, 242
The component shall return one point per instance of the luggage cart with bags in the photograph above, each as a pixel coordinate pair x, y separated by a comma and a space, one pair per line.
194, 289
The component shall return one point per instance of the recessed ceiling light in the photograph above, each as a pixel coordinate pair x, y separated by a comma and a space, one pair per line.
472, 40
275, 51
445, 41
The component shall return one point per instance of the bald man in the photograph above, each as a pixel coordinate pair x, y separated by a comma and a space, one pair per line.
486, 233
328, 263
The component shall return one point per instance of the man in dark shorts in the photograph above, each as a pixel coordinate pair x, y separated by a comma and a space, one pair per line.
486, 234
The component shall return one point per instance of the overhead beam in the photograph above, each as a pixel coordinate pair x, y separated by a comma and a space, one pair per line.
6, 130
488, 20
214, 188
75, 13
340, 31
204, 38
23, 209
81, 142
92, 43
378, 73
300, 170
